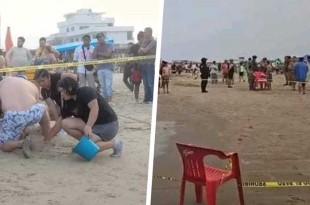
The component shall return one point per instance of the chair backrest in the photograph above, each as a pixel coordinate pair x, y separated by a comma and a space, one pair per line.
193, 166
193, 160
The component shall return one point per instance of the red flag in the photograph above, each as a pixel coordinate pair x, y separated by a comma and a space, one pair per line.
8, 40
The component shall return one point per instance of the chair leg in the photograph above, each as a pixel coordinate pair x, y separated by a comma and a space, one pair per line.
198, 189
211, 194
240, 190
182, 193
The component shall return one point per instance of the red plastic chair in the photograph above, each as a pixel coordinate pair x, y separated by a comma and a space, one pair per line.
260, 79
195, 171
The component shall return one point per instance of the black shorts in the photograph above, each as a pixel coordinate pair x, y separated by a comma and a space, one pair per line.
241, 74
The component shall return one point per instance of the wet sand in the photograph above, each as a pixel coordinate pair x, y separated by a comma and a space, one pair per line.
269, 130
58, 176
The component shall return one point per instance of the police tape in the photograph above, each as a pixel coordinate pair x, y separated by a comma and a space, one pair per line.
257, 184
73, 64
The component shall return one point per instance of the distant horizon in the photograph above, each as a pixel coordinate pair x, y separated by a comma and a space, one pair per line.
211, 60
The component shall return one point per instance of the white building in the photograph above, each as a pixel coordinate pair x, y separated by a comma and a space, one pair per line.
84, 21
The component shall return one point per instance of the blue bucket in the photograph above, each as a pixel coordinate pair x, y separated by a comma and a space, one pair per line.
86, 148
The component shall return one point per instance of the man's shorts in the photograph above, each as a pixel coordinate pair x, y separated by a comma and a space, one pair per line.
301, 81
15, 121
106, 131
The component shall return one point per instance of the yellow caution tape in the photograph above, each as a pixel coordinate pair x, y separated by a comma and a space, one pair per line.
62, 65
275, 184
261, 184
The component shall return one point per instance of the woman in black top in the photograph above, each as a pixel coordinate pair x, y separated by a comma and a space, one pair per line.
92, 116
50, 94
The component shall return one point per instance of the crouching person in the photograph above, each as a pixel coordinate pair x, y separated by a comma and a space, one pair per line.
93, 116
20, 105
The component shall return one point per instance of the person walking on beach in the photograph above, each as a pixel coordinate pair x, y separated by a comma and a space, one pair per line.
204, 74
300, 73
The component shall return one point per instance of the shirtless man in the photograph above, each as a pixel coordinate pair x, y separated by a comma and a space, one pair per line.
166, 73
20, 105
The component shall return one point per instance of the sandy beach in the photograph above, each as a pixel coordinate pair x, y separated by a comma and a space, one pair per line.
269, 130
58, 176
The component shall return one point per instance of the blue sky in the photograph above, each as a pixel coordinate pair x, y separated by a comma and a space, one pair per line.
228, 29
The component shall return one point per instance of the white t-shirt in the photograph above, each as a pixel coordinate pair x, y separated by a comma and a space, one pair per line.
78, 56
241, 68
213, 69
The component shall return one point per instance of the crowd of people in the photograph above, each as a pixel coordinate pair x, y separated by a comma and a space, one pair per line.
294, 69
71, 99
142, 71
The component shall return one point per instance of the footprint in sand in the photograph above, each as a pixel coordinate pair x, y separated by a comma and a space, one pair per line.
92, 190
133, 189
53, 202
110, 195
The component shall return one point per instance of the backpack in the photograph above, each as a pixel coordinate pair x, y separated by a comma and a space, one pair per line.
136, 76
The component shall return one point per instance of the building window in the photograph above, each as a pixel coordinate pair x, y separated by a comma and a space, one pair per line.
77, 39
72, 28
68, 29
110, 24
72, 40
83, 27
129, 35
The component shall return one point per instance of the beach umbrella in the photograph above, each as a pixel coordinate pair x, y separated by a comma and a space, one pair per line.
8, 40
